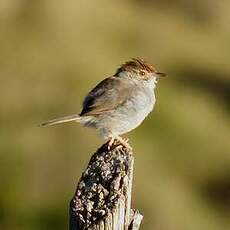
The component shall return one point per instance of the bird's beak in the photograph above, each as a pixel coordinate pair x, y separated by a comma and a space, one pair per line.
159, 74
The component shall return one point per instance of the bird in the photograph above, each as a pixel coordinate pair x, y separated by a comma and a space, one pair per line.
119, 103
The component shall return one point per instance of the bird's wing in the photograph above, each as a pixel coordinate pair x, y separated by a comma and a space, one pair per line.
106, 96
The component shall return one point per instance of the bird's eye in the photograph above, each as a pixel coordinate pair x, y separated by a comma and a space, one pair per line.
142, 73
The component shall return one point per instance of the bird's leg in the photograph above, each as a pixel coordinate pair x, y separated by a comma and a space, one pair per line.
111, 141
124, 142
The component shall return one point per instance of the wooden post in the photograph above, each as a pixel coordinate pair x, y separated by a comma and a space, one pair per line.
102, 200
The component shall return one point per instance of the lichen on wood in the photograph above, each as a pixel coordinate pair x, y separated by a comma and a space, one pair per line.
103, 196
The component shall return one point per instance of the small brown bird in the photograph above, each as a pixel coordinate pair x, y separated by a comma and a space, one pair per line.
119, 103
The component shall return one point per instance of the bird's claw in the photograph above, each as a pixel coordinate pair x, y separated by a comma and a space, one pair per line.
124, 143
121, 143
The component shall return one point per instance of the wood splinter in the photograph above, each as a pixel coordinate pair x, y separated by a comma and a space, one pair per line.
102, 200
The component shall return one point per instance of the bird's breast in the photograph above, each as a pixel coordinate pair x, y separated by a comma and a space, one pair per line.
142, 103
134, 110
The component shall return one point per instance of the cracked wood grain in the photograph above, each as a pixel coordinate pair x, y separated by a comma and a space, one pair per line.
102, 200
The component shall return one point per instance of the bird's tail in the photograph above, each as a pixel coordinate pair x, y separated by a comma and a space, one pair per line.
61, 120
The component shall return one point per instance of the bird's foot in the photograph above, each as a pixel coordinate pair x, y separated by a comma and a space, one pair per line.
124, 142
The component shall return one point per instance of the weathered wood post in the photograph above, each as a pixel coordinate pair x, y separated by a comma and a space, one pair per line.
102, 200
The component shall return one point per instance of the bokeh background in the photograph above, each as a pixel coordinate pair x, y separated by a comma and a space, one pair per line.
53, 52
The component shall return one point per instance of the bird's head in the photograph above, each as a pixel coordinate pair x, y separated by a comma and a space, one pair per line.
139, 69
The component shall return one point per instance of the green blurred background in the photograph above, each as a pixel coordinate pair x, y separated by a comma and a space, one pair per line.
53, 52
